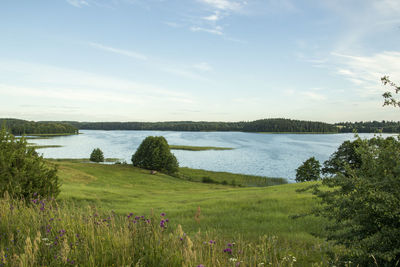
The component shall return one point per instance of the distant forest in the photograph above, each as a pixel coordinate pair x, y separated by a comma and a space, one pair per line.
266, 125
19, 127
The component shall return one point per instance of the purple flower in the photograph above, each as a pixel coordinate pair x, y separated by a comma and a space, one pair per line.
212, 242
201, 265
162, 214
228, 250
230, 245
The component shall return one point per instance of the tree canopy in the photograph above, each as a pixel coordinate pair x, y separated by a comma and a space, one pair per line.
154, 154
310, 170
23, 173
97, 155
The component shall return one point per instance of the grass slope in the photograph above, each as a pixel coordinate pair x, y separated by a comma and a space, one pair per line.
227, 211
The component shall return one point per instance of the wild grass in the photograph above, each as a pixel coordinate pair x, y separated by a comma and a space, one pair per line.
198, 148
223, 212
46, 233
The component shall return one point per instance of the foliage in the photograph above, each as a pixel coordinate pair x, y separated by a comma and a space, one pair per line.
154, 154
310, 170
363, 201
97, 155
23, 173
369, 127
389, 98
346, 157
21, 127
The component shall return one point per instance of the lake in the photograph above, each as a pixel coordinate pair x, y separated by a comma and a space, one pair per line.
272, 155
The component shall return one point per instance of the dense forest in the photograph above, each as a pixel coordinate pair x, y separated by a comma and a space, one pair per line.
369, 127
20, 127
266, 125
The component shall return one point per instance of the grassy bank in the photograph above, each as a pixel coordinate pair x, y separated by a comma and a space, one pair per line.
198, 148
227, 178
43, 146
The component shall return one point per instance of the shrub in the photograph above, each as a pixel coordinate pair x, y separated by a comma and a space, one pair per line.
309, 171
23, 173
208, 180
97, 155
154, 154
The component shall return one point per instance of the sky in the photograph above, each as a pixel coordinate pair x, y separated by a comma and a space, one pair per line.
198, 60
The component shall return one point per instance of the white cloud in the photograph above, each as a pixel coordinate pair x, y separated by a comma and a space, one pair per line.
78, 3
217, 30
224, 4
213, 17
122, 52
45, 81
366, 71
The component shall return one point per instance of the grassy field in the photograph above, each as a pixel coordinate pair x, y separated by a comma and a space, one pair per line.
224, 211
198, 148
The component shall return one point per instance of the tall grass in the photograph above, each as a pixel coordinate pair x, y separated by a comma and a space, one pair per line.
45, 233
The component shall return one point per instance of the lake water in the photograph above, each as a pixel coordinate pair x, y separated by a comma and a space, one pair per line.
272, 155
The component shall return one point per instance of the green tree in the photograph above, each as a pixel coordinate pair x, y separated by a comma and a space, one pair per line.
23, 173
310, 170
97, 155
363, 202
154, 154
390, 100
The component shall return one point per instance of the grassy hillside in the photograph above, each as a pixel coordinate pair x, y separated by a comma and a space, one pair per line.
225, 211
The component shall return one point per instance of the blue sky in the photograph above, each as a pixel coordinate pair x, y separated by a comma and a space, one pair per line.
215, 60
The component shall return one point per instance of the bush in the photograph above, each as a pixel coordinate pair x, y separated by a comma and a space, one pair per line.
154, 154
23, 173
309, 171
363, 201
97, 155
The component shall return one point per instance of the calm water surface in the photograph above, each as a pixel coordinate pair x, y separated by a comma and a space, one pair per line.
272, 155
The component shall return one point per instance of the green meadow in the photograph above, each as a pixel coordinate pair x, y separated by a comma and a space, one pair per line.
220, 211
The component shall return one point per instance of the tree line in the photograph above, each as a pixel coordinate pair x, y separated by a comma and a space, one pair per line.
20, 127
265, 125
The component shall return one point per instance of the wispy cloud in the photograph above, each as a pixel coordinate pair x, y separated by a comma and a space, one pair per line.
122, 52
214, 17
217, 30
78, 3
313, 96
224, 4
366, 71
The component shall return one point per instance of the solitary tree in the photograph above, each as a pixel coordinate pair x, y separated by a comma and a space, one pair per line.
97, 155
309, 171
23, 173
154, 154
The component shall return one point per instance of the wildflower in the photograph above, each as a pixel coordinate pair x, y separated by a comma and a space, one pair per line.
228, 250
212, 242
233, 259
201, 265
230, 245
162, 214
